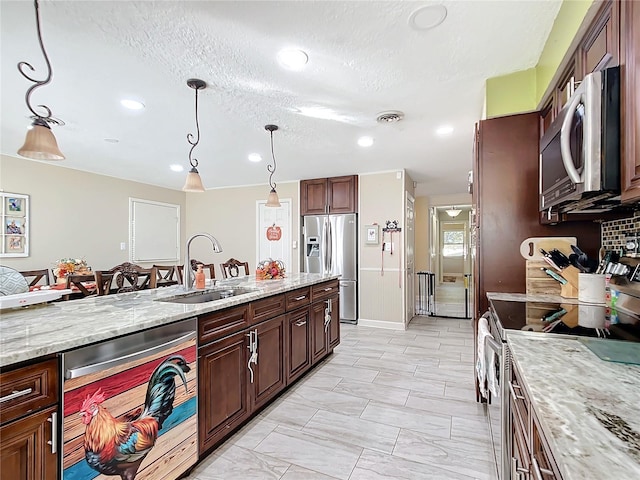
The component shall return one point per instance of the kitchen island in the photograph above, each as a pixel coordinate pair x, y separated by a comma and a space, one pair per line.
36, 331
292, 322
587, 408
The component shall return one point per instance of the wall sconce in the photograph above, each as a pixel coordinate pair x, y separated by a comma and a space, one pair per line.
40, 143
272, 200
193, 182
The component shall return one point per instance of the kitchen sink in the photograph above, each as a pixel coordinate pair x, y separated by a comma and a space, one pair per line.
208, 295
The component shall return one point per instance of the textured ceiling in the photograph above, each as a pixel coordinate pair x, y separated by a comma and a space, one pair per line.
364, 58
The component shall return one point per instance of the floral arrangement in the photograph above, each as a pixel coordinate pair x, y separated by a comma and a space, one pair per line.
270, 270
65, 266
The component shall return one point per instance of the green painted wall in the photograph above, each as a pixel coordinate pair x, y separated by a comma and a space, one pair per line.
569, 18
511, 93
522, 91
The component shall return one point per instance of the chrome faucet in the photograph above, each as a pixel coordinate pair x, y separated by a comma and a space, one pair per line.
188, 275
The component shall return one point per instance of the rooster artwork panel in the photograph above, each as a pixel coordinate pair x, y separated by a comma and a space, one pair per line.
133, 422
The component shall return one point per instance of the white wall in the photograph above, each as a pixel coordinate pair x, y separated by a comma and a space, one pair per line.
229, 214
76, 214
381, 294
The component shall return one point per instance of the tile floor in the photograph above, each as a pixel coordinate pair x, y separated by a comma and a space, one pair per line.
386, 405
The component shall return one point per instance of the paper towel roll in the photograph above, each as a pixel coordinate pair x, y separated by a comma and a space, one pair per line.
591, 288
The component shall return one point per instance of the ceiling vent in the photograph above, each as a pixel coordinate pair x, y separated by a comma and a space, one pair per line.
392, 116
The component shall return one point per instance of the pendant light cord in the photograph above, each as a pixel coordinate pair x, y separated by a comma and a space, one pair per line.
194, 161
270, 169
22, 66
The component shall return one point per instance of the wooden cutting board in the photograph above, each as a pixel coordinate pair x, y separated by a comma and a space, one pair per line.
530, 247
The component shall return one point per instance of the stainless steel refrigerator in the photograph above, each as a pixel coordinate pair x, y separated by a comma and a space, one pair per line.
331, 247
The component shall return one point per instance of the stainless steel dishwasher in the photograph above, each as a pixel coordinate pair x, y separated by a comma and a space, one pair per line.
130, 407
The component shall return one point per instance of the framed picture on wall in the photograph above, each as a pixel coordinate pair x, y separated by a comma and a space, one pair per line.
373, 235
14, 241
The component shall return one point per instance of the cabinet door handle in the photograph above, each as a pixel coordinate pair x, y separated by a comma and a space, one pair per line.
53, 419
16, 394
301, 297
301, 323
513, 392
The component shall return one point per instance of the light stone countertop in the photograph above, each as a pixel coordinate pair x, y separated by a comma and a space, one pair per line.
38, 330
523, 297
587, 407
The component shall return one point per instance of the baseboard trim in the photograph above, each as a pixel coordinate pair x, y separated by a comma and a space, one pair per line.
363, 322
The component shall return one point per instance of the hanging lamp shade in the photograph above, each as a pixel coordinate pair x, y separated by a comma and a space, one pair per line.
193, 182
453, 212
40, 143
272, 199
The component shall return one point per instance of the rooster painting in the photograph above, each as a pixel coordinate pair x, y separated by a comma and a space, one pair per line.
118, 447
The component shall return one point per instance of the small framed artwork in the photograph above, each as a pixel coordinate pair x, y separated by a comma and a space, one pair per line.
372, 234
14, 241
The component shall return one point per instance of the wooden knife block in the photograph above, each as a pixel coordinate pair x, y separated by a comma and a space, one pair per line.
570, 289
538, 282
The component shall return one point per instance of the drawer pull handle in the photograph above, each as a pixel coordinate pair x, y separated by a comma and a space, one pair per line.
301, 297
513, 392
53, 419
16, 394
301, 323
328, 289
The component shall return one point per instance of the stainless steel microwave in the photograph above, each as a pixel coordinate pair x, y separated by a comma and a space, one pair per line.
580, 151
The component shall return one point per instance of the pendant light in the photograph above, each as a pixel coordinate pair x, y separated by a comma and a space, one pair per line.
453, 212
40, 143
272, 200
194, 182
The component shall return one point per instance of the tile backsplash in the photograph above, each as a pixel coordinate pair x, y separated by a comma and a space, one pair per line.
614, 233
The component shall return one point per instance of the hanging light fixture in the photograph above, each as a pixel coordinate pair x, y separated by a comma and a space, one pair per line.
40, 143
453, 212
194, 182
272, 200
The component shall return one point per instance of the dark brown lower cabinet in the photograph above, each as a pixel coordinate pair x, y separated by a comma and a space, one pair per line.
334, 324
531, 457
298, 343
319, 340
233, 384
222, 388
269, 376
24, 451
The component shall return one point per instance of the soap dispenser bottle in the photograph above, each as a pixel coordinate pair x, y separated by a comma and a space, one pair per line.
200, 277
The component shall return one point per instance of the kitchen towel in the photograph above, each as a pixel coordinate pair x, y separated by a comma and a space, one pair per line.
486, 360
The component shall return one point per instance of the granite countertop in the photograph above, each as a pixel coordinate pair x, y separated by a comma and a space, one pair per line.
524, 297
587, 407
38, 330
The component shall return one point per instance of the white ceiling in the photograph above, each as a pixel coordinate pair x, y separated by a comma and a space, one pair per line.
364, 58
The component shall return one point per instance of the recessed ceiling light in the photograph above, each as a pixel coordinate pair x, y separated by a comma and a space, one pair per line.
131, 104
255, 157
365, 141
427, 17
445, 130
292, 59
176, 168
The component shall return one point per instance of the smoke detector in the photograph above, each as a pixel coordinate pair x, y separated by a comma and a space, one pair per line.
391, 116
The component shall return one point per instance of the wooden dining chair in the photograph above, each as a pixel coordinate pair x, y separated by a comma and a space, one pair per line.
231, 268
83, 285
126, 277
207, 267
35, 276
166, 275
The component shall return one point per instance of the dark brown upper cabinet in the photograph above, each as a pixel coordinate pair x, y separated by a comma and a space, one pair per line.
329, 195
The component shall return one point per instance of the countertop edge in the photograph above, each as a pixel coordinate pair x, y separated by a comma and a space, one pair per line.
132, 312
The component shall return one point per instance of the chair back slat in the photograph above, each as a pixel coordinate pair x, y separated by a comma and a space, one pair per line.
34, 276
231, 268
